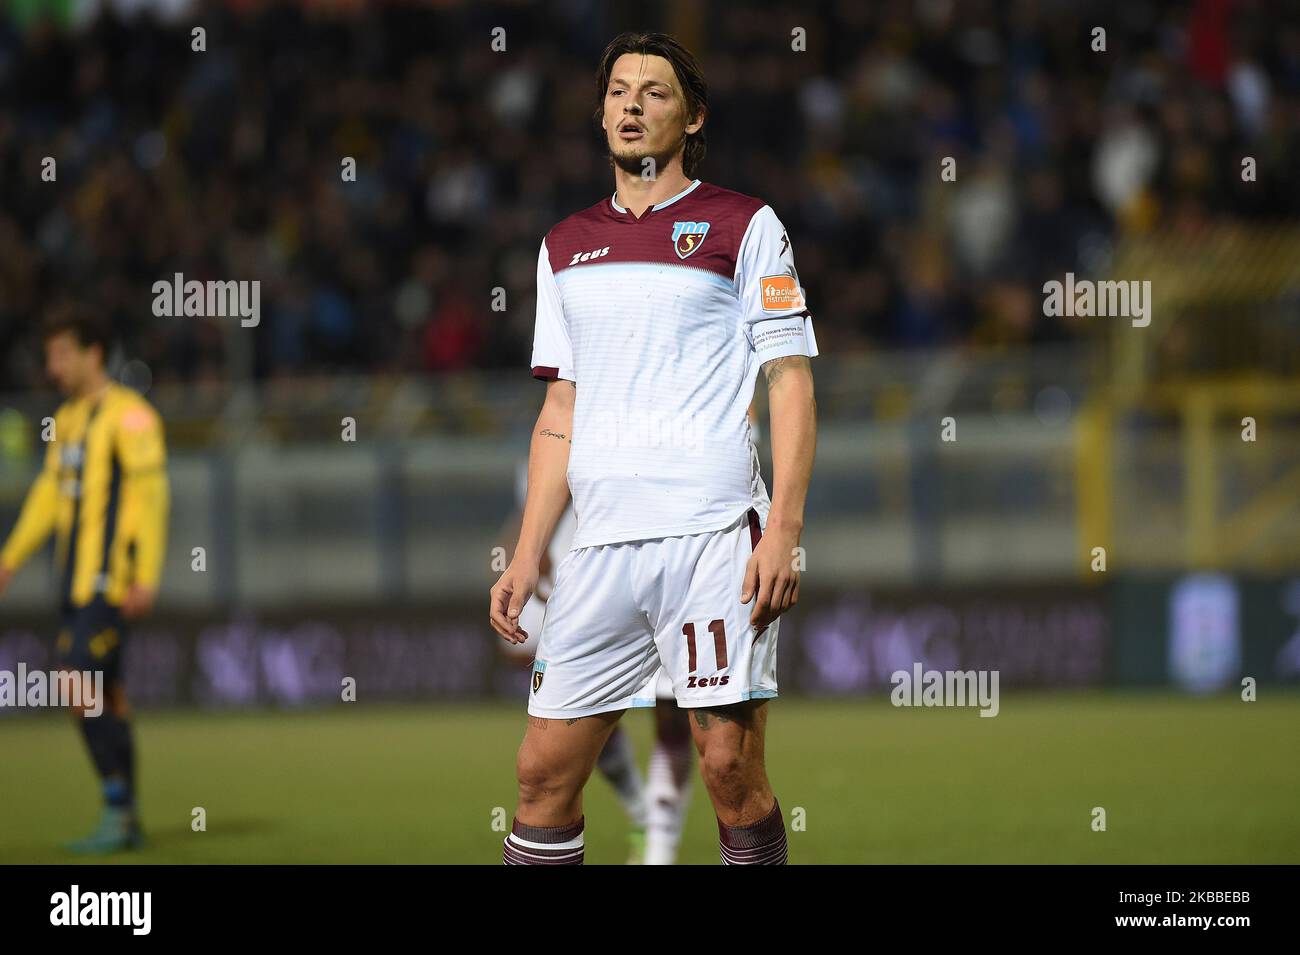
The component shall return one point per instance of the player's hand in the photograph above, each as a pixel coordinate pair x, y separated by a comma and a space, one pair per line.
6, 575
138, 602
509, 594
771, 580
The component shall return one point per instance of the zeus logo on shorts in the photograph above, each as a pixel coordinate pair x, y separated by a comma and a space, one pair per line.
688, 236
693, 684
539, 671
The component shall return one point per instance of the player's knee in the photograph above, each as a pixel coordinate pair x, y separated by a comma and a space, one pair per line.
541, 780
723, 768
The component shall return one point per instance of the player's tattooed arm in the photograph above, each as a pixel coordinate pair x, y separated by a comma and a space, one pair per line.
772, 574
559, 435
777, 367
547, 497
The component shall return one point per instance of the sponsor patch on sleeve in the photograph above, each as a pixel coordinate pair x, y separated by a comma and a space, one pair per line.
136, 419
780, 293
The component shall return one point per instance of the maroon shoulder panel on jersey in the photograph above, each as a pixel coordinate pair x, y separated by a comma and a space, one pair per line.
601, 234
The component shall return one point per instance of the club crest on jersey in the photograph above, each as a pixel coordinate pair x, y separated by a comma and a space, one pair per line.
688, 236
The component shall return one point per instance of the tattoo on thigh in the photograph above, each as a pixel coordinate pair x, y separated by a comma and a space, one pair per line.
702, 718
574, 720
541, 722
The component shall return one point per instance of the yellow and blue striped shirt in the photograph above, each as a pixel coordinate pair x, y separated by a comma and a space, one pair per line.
103, 491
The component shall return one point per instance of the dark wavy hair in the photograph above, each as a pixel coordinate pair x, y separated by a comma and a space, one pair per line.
689, 75
79, 321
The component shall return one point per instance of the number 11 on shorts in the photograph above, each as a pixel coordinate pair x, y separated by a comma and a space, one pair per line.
719, 631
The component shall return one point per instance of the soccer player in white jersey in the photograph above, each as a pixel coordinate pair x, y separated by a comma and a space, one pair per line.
656, 308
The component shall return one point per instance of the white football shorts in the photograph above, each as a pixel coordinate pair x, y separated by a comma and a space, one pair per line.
622, 613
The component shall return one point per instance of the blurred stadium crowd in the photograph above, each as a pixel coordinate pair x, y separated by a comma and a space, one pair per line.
225, 164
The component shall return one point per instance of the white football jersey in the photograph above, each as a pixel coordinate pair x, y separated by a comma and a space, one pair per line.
662, 323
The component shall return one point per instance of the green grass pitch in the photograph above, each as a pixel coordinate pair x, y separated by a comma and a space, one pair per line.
1182, 780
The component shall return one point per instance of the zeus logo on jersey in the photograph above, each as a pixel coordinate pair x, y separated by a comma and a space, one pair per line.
688, 236
588, 256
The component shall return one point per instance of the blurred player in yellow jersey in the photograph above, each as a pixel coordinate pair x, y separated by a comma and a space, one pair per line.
103, 492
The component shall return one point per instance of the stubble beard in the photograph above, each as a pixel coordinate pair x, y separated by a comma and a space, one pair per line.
633, 161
